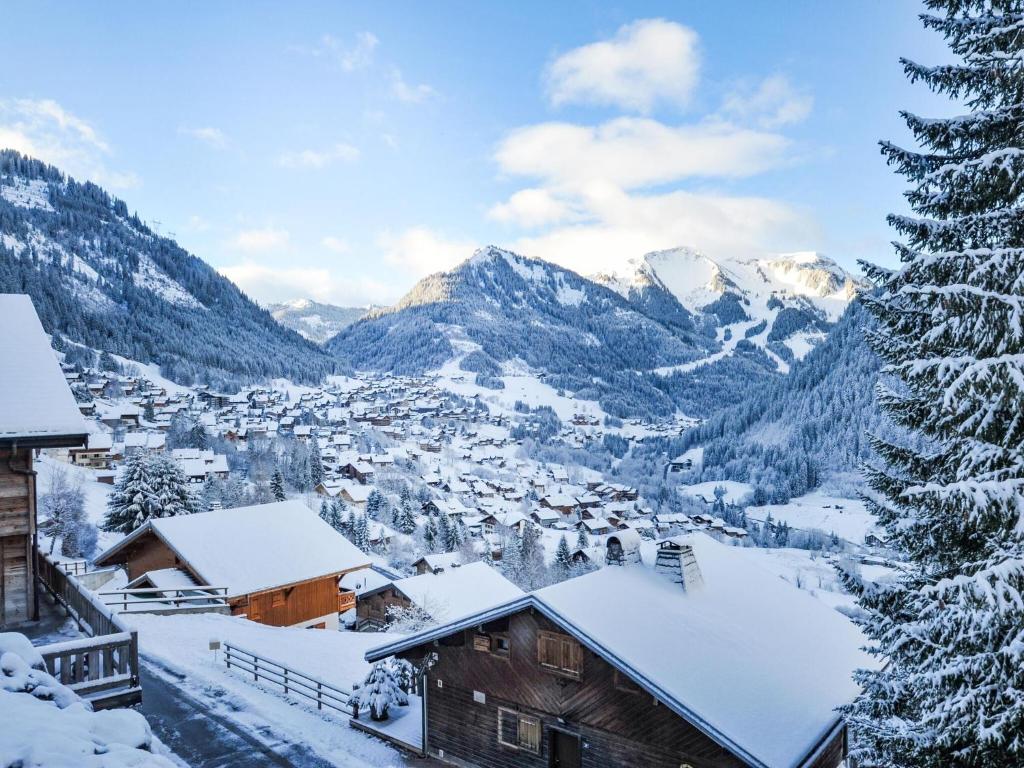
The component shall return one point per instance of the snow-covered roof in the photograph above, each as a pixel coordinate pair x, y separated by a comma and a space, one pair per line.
37, 405
766, 663
250, 549
458, 592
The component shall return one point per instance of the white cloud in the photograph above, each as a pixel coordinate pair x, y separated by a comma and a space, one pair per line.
213, 137
335, 244
772, 103
43, 129
272, 284
420, 251
408, 92
621, 225
260, 240
634, 152
647, 62
533, 208
349, 57
314, 158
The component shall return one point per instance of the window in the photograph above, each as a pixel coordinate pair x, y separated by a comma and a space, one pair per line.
500, 645
518, 730
560, 654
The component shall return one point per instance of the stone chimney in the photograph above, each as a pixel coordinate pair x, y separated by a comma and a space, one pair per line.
677, 562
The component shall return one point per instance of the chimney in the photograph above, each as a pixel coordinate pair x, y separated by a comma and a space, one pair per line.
677, 562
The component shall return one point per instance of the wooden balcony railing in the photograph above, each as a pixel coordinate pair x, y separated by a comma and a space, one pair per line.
104, 667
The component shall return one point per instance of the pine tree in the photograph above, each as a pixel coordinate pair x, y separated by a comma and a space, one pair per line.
361, 533
444, 532
405, 516
563, 558
582, 542
374, 504
430, 534
379, 692
149, 486
277, 485
951, 494
316, 464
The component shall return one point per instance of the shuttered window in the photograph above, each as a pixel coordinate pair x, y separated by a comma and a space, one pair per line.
560, 654
518, 730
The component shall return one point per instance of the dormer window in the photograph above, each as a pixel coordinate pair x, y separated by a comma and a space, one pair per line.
560, 654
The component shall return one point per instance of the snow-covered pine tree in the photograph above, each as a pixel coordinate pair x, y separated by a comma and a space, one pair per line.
277, 485
430, 534
582, 542
379, 692
361, 533
563, 558
951, 495
149, 486
444, 532
374, 504
316, 463
405, 516
405, 677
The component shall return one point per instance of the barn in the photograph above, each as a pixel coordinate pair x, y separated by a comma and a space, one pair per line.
37, 410
704, 662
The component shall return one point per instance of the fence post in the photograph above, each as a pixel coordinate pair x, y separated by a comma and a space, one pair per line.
319, 701
133, 657
227, 655
285, 679
255, 667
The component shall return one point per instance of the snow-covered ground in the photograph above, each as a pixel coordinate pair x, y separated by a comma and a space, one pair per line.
847, 518
182, 645
734, 491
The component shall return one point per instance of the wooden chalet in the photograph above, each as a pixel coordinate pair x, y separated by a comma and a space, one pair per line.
279, 563
37, 410
588, 672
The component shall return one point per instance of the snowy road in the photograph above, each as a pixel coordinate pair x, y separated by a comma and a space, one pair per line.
203, 738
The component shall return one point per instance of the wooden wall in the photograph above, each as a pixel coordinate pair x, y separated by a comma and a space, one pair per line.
149, 553
17, 527
618, 723
284, 607
374, 609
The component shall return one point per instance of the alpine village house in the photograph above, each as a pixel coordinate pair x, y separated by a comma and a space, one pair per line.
700, 660
36, 411
279, 563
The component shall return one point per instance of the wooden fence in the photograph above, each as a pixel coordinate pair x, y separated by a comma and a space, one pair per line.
163, 600
103, 667
310, 688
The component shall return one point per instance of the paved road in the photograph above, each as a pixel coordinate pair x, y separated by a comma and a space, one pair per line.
203, 738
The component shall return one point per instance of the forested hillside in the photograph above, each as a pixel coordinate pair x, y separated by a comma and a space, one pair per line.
789, 436
513, 312
99, 276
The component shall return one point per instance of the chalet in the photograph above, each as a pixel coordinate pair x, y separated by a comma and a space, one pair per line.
97, 454
444, 596
586, 672
438, 563
560, 502
545, 517
37, 410
280, 563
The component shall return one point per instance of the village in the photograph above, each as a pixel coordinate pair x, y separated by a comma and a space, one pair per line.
390, 514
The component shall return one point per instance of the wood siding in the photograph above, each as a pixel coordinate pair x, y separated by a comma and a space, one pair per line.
285, 607
372, 610
616, 727
17, 531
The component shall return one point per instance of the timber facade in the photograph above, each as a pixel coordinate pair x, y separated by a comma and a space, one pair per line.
521, 692
17, 536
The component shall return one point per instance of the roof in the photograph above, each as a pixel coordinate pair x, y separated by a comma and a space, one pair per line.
37, 407
458, 592
251, 549
765, 664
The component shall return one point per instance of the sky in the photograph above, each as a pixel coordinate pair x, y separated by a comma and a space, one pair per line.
340, 151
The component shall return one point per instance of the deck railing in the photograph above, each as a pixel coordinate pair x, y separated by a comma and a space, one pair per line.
310, 688
103, 667
157, 600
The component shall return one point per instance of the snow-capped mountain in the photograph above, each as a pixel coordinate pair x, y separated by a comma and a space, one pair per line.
316, 321
99, 276
783, 304
499, 313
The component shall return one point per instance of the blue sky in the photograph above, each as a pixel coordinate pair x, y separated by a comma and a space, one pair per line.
342, 151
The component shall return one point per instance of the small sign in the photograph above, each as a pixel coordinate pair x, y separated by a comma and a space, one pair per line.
479, 697
215, 645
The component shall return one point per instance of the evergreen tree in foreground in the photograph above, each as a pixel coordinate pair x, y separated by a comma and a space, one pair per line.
951, 495
277, 485
150, 486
